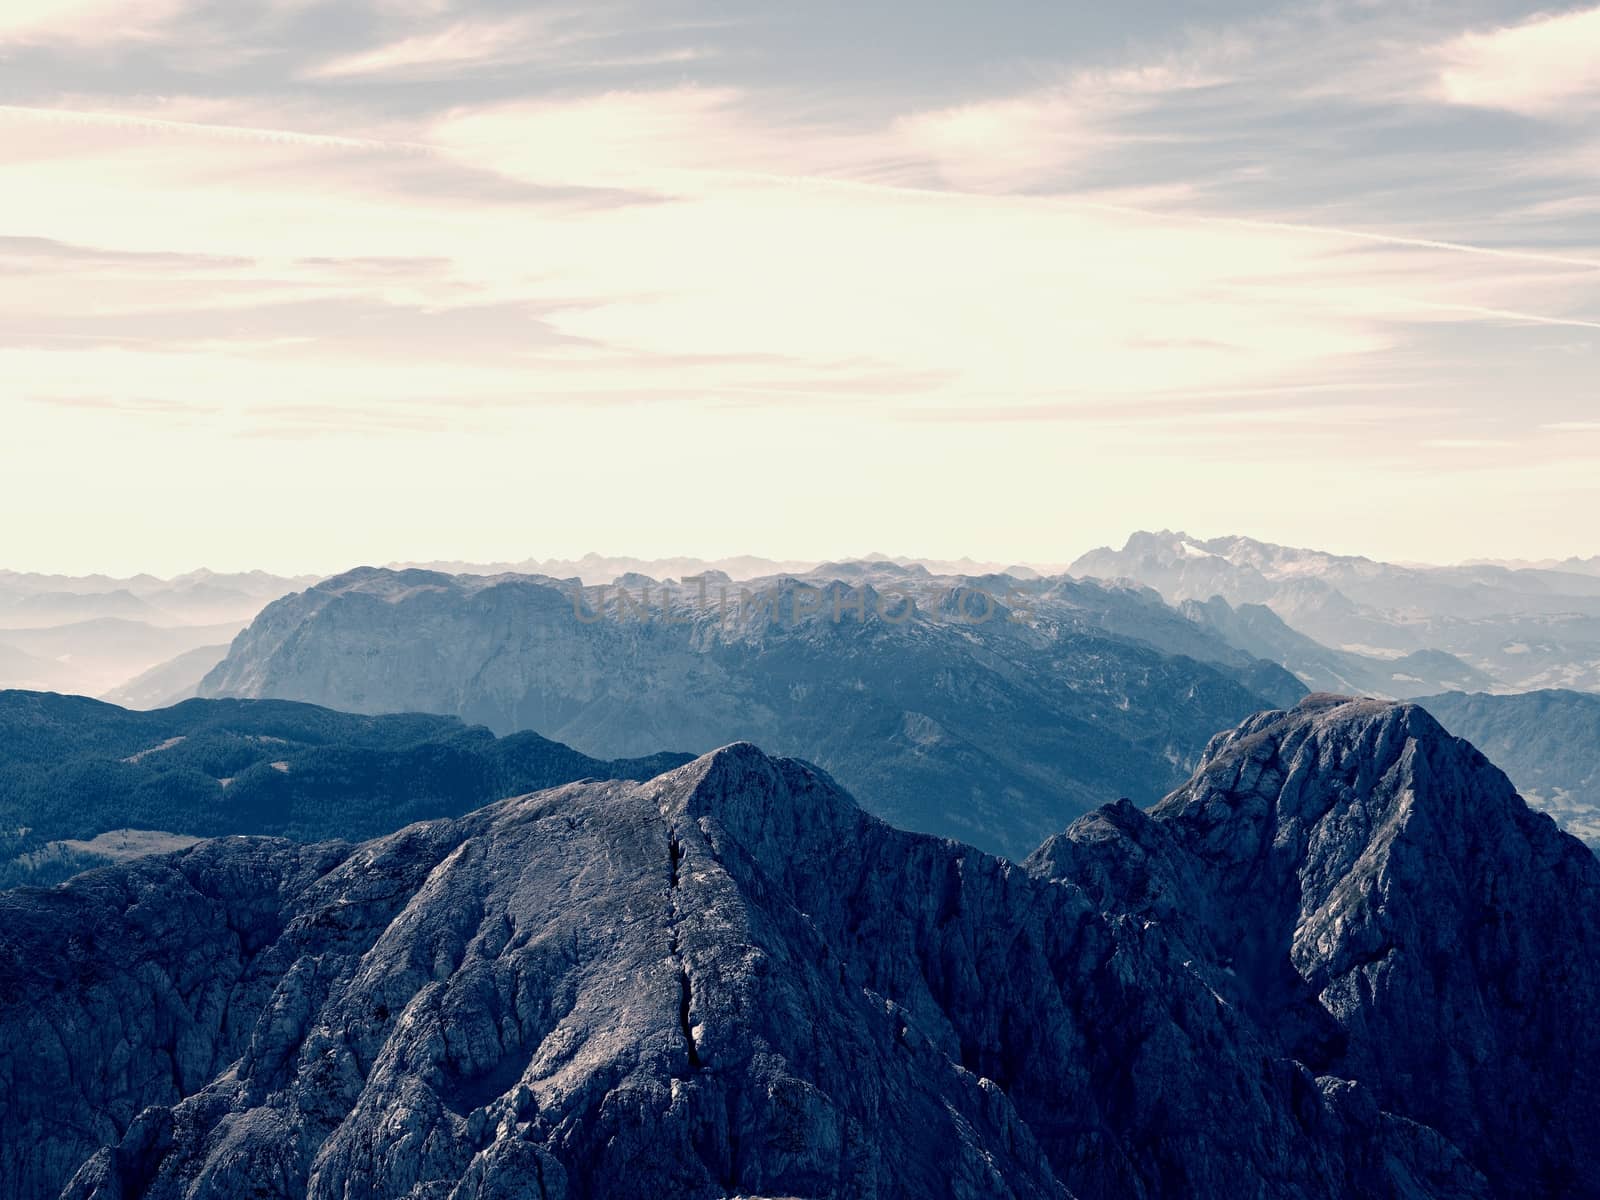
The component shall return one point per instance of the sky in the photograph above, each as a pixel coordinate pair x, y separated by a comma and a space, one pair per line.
298, 285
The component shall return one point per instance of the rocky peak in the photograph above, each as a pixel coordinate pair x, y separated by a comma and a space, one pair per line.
727, 980
740, 783
1379, 887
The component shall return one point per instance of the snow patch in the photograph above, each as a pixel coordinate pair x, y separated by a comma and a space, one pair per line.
157, 749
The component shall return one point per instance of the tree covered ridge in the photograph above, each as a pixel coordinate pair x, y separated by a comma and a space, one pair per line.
72, 768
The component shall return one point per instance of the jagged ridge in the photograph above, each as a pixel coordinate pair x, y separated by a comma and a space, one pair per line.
730, 980
996, 731
1378, 893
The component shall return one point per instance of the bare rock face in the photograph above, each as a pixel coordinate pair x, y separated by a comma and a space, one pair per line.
729, 981
1389, 909
995, 714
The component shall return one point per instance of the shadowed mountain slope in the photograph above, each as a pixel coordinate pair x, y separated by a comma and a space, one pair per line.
1375, 892
1343, 961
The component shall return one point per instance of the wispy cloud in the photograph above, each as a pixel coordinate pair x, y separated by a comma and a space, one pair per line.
85, 22
1548, 66
136, 121
444, 219
462, 43
1039, 137
446, 43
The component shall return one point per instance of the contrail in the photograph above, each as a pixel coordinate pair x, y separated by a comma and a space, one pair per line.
1159, 215
1388, 239
1507, 314
293, 137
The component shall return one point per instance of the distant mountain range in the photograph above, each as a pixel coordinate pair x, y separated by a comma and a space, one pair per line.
170, 682
72, 769
93, 634
987, 708
1548, 742
1520, 629
600, 568
91, 657
1348, 623
22, 669
1257, 630
29, 600
1343, 962
1573, 565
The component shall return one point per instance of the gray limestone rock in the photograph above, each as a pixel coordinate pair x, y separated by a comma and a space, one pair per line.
1343, 961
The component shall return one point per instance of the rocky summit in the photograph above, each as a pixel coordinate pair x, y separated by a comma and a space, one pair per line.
1344, 960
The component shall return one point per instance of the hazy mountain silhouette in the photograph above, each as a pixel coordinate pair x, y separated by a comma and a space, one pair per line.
985, 708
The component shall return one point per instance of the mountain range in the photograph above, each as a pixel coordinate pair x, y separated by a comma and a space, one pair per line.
1257, 630
170, 682
94, 656
1572, 564
29, 600
988, 708
96, 635
597, 569
1343, 960
1523, 629
1344, 623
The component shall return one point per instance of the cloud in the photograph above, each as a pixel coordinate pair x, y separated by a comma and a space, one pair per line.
777, 237
668, 140
442, 44
999, 145
43, 252
1545, 67
379, 231
141, 405
119, 128
1038, 137
85, 22
440, 51
1181, 415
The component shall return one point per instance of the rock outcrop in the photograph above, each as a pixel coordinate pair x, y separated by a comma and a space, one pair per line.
1343, 961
